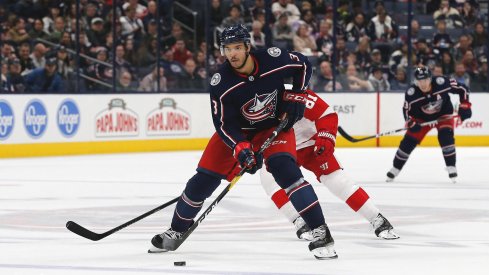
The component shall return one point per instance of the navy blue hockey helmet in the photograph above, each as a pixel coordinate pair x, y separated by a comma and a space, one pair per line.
422, 73
234, 34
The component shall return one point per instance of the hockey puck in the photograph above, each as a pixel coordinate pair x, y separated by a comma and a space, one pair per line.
179, 263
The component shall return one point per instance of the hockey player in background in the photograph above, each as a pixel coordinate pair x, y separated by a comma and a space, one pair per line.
426, 100
247, 100
316, 138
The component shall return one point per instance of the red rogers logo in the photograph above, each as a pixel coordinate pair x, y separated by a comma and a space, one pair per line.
168, 120
116, 121
468, 124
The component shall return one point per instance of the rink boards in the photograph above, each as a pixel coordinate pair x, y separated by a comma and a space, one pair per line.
40, 125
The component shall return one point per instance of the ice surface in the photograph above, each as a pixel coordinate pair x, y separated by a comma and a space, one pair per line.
444, 227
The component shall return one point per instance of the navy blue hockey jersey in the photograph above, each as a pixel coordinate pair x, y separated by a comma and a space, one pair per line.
432, 105
254, 102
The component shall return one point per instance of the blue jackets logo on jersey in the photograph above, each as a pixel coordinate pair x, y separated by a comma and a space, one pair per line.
6, 119
433, 107
260, 108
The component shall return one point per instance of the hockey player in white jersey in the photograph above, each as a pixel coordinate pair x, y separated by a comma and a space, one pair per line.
316, 138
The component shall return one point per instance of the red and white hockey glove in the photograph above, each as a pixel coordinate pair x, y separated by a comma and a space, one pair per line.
324, 146
248, 159
464, 110
294, 105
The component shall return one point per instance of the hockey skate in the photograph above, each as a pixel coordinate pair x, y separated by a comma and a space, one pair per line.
303, 231
322, 245
452, 173
392, 174
383, 228
165, 242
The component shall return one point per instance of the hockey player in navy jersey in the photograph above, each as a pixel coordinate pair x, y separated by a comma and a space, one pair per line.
428, 99
247, 100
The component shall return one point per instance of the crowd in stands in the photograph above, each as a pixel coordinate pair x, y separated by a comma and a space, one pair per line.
367, 50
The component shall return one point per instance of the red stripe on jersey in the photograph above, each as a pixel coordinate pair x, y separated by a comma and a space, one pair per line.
357, 199
280, 198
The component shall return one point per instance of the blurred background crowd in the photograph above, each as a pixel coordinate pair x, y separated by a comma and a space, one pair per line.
172, 46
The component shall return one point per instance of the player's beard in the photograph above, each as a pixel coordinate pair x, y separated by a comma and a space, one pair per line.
242, 64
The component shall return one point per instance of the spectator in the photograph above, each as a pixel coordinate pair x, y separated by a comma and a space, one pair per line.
140, 9
460, 75
24, 59
378, 81
64, 63
18, 33
470, 62
150, 81
479, 82
415, 27
479, 36
353, 81
437, 71
120, 63
59, 27
324, 80
132, 27
399, 82
100, 71
447, 63
449, 14
191, 79
217, 13
38, 30
382, 28
310, 21
90, 13
341, 53
469, 15
14, 79
282, 32
46, 79
258, 8
462, 46
357, 28
180, 52
363, 54
37, 55
96, 35
243, 10
173, 69
49, 20
442, 41
292, 11
257, 36
125, 82
303, 41
424, 55
234, 17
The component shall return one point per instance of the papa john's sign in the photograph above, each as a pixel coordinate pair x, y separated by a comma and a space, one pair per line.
117, 121
168, 120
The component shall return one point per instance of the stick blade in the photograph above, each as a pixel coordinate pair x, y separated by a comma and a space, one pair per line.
83, 232
346, 135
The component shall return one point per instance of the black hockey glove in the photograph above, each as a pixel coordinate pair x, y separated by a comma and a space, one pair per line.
413, 125
464, 110
248, 159
294, 107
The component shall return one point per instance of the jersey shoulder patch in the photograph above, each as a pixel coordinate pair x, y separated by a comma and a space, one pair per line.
274, 51
440, 80
216, 78
410, 91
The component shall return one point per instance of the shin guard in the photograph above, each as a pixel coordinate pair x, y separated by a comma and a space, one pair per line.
198, 188
407, 145
447, 143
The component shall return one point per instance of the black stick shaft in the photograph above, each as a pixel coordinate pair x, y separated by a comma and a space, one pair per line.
85, 233
264, 146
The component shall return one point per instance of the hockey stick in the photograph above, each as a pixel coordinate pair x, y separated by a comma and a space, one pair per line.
352, 139
264, 146
85, 233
